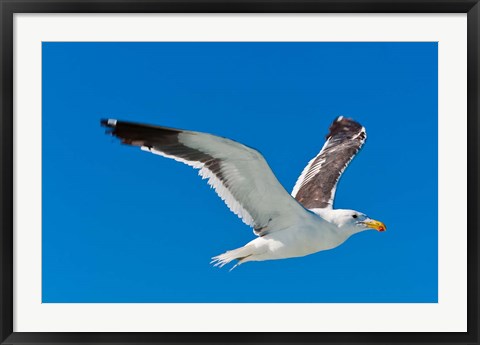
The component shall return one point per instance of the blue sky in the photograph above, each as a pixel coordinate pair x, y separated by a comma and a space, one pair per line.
122, 225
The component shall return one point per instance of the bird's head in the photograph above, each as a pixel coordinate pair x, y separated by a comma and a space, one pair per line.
355, 220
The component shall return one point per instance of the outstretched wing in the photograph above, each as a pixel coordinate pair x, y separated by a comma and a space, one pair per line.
239, 174
315, 188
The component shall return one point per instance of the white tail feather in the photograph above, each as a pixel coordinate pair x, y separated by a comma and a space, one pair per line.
227, 257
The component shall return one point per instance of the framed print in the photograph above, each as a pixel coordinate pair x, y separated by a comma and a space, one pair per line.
337, 144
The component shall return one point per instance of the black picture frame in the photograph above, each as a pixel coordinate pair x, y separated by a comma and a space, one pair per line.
7, 10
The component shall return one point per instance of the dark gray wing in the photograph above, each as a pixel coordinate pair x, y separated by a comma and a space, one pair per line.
315, 188
239, 174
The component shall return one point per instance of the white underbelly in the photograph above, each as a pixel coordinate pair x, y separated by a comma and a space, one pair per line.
295, 242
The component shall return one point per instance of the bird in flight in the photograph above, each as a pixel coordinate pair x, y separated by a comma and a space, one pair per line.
287, 226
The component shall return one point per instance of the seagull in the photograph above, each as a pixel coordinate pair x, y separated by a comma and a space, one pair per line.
286, 225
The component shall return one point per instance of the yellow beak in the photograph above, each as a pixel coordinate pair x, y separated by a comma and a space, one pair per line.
375, 224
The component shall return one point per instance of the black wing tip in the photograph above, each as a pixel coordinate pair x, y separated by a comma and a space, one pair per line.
344, 125
345, 120
137, 134
110, 123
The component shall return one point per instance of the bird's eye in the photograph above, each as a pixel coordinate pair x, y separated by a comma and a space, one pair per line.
354, 216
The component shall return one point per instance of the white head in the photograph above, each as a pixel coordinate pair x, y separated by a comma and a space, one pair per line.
352, 221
